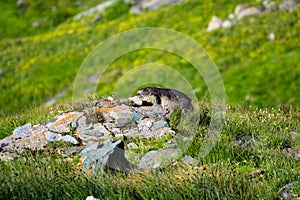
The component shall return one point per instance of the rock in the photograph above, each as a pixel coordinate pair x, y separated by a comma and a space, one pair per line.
52, 137
145, 125
292, 152
189, 160
109, 155
226, 24
74, 125
295, 134
239, 8
248, 11
97, 9
132, 145
5, 141
155, 112
287, 5
158, 158
93, 132
62, 123
68, 138
22, 131
245, 141
272, 36
91, 198
23, 4
214, 24
285, 192
36, 24
151, 5
159, 124
136, 10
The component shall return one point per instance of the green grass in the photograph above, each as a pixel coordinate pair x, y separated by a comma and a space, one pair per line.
223, 174
261, 80
255, 70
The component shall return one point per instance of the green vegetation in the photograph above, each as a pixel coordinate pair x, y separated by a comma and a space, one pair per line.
255, 70
261, 79
224, 173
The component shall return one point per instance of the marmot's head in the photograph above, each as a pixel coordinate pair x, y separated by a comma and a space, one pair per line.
149, 94
147, 91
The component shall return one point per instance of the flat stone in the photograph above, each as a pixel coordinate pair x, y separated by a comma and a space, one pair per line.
68, 138
159, 124
62, 122
157, 159
52, 137
94, 132
22, 131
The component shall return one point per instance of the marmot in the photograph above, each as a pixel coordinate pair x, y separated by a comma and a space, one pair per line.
168, 98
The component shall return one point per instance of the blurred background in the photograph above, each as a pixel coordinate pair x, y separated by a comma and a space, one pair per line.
254, 43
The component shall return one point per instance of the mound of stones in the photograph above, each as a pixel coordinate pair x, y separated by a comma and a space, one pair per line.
96, 129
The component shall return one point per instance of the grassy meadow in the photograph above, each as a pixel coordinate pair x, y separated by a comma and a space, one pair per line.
261, 78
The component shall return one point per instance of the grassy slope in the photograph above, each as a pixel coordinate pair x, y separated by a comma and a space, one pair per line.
223, 173
44, 64
266, 71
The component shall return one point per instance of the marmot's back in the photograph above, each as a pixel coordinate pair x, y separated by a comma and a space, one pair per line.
169, 98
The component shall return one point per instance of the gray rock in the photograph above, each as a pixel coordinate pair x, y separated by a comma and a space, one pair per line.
159, 125
157, 159
150, 5
226, 24
214, 24
68, 138
145, 125
245, 141
22, 131
36, 24
239, 8
189, 160
132, 145
97, 9
92, 132
285, 192
5, 141
52, 137
155, 112
248, 11
289, 4
109, 155
155, 4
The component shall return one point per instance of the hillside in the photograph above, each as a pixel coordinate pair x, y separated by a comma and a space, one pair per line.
256, 70
46, 44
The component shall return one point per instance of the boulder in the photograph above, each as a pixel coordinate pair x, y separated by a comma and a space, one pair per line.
214, 24
158, 158
242, 11
289, 4
108, 155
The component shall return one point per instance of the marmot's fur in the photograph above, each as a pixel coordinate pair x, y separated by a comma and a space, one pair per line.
167, 98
